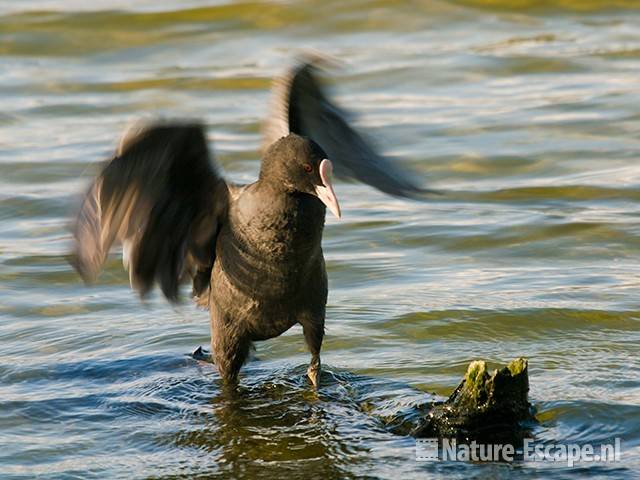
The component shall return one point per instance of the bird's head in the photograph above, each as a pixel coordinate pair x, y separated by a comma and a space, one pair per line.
298, 164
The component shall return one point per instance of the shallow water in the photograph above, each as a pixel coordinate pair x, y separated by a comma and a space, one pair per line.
526, 114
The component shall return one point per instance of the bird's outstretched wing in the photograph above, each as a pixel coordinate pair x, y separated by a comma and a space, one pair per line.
162, 197
300, 105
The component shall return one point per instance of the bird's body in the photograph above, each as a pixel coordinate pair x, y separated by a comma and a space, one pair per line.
269, 273
253, 252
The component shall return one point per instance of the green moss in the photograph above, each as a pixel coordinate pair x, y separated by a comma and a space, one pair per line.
475, 376
517, 366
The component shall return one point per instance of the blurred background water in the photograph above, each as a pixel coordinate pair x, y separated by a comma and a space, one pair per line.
526, 113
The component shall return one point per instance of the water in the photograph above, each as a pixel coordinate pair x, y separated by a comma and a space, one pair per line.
525, 113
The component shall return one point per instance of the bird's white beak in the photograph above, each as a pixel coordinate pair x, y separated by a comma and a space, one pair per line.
325, 192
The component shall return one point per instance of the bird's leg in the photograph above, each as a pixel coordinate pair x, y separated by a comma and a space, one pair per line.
230, 355
313, 333
230, 348
313, 372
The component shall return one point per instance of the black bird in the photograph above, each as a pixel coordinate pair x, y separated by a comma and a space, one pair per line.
253, 252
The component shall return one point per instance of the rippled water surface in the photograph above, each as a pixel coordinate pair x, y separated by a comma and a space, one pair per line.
525, 114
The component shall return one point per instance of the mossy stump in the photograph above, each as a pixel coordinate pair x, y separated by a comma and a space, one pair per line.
489, 407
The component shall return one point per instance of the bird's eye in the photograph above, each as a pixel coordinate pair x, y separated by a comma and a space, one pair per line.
307, 167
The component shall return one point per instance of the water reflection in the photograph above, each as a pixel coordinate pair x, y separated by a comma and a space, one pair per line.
280, 424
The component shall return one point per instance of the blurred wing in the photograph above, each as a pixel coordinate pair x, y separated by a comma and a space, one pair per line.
163, 199
300, 106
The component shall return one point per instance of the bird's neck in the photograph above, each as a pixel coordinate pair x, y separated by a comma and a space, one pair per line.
282, 229
278, 198
273, 186
273, 180
274, 206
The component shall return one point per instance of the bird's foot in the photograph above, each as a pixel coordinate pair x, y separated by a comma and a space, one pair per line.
202, 355
313, 372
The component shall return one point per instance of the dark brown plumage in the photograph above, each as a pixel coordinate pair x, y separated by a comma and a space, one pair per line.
253, 252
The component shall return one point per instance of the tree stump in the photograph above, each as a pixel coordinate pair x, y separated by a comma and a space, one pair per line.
489, 407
